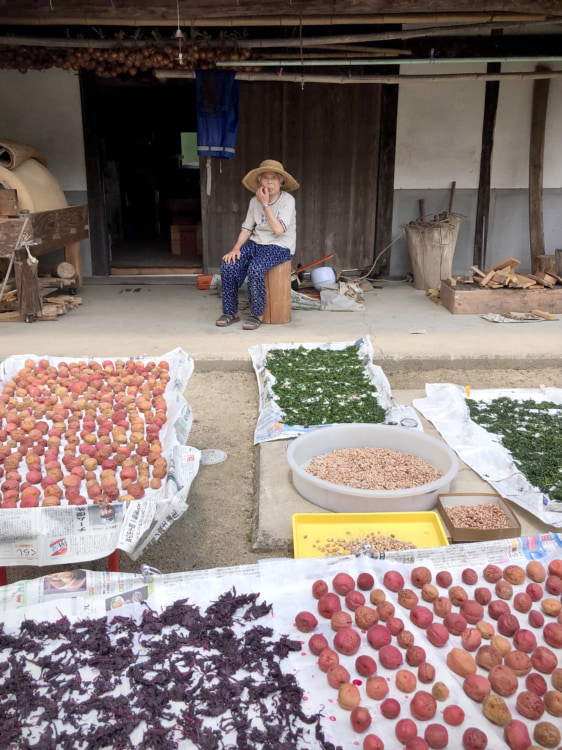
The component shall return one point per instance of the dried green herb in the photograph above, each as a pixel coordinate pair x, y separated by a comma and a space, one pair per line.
323, 386
532, 433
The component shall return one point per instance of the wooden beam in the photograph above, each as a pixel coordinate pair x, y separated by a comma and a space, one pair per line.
536, 165
483, 205
345, 79
385, 182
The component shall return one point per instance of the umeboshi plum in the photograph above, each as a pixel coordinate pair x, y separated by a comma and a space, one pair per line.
319, 588
442, 606
328, 604
536, 618
421, 575
360, 719
407, 598
553, 702
530, 705
305, 622
437, 634
349, 696
471, 639
406, 681
423, 706
393, 580
376, 687
390, 708
426, 672
524, 640
390, 657
483, 595
444, 579
453, 715
404, 730
317, 644
327, 658
522, 602
340, 619
504, 590
372, 742
377, 596
535, 591
461, 662
395, 625
366, 617
405, 639
495, 709
535, 571
354, 600
440, 691
436, 736
474, 739
518, 661
421, 616
536, 683
457, 595
503, 680
415, 655
477, 687
365, 581
365, 665
544, 660
343, 583
516, 735
455, 623
379, 636
552, 633
347, 641
546, 734
429, 592
337, 675
492, 573
514, 574
469, 576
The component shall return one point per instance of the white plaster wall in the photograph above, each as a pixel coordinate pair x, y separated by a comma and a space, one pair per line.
439, 131
43, 108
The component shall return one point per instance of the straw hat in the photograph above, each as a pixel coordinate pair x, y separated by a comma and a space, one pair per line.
251, 180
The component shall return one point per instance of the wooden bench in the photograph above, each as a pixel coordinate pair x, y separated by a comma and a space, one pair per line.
278, 294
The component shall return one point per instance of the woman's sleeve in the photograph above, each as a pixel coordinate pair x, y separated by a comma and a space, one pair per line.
286, 214
250, 221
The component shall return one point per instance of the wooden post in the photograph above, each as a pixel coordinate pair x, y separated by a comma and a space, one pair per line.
26, 284
558, 261
72, 256
536, 165
278, 294
483, 205
545, 263
386, 167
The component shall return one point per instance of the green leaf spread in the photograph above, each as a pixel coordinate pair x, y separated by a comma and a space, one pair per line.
532, 433
323, 386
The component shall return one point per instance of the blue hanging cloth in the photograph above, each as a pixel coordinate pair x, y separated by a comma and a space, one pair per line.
218, 113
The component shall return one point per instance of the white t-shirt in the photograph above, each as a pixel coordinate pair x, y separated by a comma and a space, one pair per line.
283, 209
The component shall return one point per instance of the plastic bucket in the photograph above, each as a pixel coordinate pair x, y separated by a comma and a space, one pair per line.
204, 281
342, 499
321, 276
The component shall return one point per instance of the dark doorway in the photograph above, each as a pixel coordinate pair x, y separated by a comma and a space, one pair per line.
150, 187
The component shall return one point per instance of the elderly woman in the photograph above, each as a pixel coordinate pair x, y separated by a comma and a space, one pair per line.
268, 238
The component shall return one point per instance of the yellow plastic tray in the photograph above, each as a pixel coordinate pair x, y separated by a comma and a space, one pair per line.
312, 530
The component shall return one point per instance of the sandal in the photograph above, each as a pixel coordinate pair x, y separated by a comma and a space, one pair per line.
227, 320
252, 322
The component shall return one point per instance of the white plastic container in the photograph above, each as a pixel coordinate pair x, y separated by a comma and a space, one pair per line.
343, 499
321, 276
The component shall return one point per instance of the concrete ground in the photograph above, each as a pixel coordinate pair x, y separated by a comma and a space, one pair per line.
406, 329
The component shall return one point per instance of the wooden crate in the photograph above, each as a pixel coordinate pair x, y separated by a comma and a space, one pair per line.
468, 299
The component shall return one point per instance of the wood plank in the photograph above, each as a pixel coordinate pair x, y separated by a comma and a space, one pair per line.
487, 148
176, 270
512, 262
543, 314
9, 203
536, 166
476, 301
72, 257
487, 278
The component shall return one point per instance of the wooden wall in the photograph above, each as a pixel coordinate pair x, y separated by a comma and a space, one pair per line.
328, 138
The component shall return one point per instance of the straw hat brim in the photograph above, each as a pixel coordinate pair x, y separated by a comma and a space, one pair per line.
251, 182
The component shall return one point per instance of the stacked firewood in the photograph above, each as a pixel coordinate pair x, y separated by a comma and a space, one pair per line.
504, 274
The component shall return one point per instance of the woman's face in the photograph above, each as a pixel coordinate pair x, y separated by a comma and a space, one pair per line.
271, 181
58, 580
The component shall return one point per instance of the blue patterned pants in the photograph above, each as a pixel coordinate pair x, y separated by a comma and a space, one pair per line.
254, 262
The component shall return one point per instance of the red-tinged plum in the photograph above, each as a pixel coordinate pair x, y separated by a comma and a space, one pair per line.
495, 709
328, 604
504, 590
317, 644
385, 610
305, 622
376, 596
522, 602
552, 633
421, 575
498, 607
366, 617
376, 688
407, 598
405, 729
429, 592
354, 600
518, 661
405, 639
536, 618
421, 616
483, 595
474, 739
492, 573
455, 623
553, 702
390, 708
503, 680
457, 595
530, 705
517, 735
343, 584
379, 636
365, 581
544, 660
469, 576
337, 675
546, 734
328, 657
461, 662
556, 679
393, 580
514, 574
551, 606
488, 657
472, 611
437, 634
555, 568
360, 719
535, 591
553, 584
340, 620
471, 639
423, 706
524, 640
442, 606
477, 687
390, 657
453, 715
536, 683
415, 655
365, 665
535, 571
436, 736
416, 743
347, 641
372, 742
406, 681
349, 696
426, 672
395, 625
440, 691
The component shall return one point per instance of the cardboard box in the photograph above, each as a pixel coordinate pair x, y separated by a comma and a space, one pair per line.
461, 534
184, 239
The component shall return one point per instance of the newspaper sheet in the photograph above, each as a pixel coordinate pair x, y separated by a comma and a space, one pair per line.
286, 584
69, 534
446, 408
270, 425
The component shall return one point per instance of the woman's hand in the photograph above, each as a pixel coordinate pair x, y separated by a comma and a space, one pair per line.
232, 256
263, 196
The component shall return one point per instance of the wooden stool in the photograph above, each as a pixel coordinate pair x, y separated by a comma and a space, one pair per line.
278, 294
